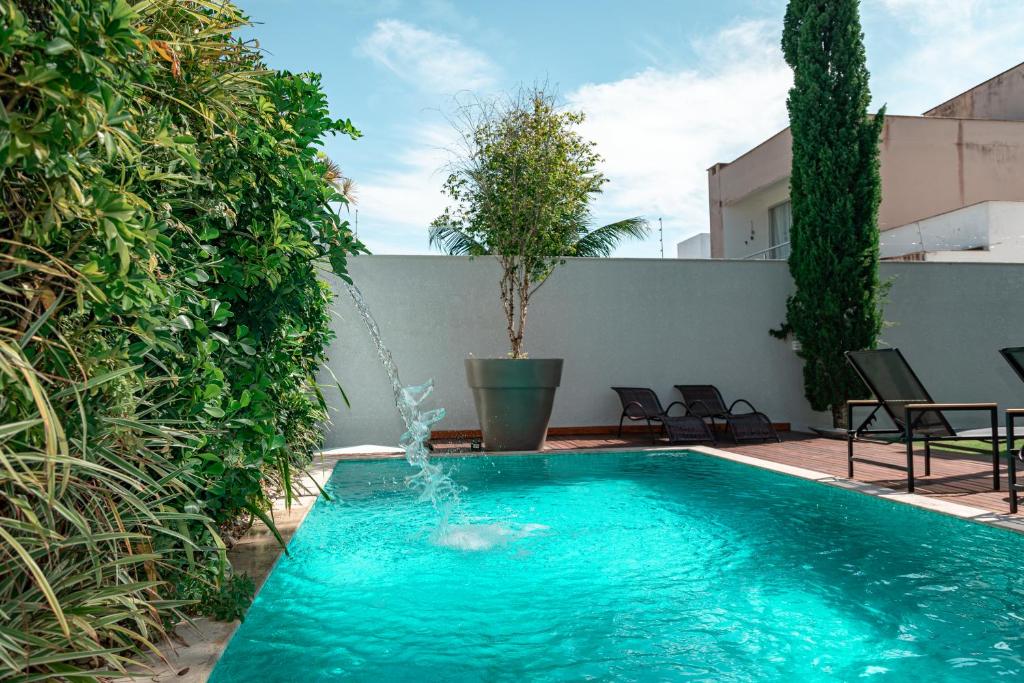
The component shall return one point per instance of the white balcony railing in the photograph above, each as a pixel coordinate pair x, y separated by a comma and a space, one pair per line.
772, 253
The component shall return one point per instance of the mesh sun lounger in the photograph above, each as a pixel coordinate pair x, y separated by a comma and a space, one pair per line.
916, 416
705, 400
1014, 460
639, 403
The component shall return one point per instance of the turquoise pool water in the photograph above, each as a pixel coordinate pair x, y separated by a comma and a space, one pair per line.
632, 567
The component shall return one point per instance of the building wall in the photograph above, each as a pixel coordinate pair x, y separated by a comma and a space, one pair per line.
747, 221
929, 166
1001, 97
987, 231
651, 322
761, 169
698, 246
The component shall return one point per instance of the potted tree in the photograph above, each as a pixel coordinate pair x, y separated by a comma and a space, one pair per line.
520, 191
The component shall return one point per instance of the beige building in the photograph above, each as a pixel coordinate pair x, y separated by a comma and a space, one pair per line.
952, 184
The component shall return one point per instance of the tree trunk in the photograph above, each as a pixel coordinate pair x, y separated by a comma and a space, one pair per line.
839, 416
508, 304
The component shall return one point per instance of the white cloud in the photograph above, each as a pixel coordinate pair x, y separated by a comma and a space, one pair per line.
396, 207
432, 62
659, 130
943, 47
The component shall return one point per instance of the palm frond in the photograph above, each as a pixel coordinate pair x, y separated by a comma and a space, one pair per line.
602, 241
336, 177
452, 240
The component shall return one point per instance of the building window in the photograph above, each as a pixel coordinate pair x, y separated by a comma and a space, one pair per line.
779, 223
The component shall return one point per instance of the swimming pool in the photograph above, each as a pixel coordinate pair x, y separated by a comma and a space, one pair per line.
632, 566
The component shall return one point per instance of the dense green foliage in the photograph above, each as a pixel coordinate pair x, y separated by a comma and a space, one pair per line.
161, 316
521, 191
835, 191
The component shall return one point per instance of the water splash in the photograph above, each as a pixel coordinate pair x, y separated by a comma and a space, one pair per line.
476, 537
430, 479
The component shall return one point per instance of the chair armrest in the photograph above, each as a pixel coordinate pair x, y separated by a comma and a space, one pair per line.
865, 402
643, 413
916, 407
675, 403
1015, 412
742, 400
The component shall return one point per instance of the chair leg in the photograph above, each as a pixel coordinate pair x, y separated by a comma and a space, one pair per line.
849, 454
927, 458
849, 441
1011, 465
908, 433
995, 450
621, 418
650, 428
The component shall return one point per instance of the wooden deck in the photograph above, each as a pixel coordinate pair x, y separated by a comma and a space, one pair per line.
956, 477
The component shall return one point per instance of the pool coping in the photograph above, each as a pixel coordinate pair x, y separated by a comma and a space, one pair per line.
199, 658
965, 512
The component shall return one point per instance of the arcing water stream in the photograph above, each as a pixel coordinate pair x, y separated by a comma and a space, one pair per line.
430, 479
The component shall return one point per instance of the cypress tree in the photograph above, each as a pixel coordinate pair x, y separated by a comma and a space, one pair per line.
835, 189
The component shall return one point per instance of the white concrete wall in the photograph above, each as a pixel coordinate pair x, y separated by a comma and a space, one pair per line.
652, 322
1006, 230
698, 246
986, 231
958, 230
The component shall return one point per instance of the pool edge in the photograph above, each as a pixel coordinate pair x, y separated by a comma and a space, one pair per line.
206, 640
958, 510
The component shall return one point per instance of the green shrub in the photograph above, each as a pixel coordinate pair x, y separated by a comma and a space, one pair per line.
223, 599
161, 315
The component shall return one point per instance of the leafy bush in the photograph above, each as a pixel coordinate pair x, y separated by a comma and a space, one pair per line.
224, 599
161, 315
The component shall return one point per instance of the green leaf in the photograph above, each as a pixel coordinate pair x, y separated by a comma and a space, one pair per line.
58, 46
265, 518
213, 411
93, 382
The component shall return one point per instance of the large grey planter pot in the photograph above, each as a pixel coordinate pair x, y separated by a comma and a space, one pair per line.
513, 400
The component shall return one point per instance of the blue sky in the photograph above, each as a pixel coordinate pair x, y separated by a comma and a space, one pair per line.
669, 86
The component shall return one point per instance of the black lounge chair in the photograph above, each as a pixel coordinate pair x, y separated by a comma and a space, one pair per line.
705, 401
900, 394
639, 403
1015, 357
